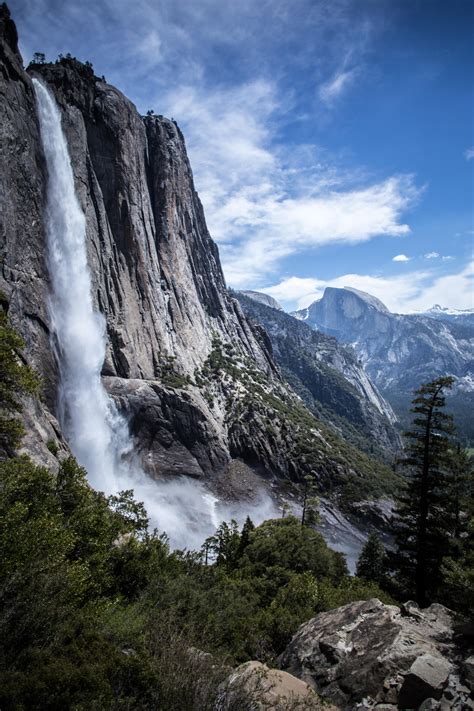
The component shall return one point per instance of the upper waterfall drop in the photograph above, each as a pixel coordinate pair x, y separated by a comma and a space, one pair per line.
97, 433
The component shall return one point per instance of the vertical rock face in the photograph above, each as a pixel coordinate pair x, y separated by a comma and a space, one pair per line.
23, 268
157, 275
195, 378
156, 272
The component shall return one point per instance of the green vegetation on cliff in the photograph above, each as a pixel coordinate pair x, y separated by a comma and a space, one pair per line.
97, 612
295, 440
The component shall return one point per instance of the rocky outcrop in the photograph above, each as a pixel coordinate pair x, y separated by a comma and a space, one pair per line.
329, 378
268, 689
401, 351
262, 298
367, 655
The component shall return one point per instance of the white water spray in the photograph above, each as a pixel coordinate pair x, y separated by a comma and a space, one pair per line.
97, 433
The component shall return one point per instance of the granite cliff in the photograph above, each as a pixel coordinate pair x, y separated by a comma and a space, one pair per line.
401, 351
196, 379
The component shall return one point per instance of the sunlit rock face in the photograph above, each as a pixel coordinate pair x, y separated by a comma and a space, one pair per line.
194, 377
401, 351
395, 348
367, 655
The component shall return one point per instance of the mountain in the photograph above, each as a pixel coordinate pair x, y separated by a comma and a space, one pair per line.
465, 316
262, 299
195, 379
329, 379
401, 351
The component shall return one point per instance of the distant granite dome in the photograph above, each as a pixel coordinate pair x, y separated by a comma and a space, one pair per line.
399, 351
262, 299
368, 298
313, 363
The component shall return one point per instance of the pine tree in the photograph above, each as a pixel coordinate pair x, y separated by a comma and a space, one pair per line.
223, 545
310, 504
245, 536
371, 563
421, 520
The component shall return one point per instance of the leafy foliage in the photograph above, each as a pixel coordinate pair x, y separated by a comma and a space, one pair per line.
89, 597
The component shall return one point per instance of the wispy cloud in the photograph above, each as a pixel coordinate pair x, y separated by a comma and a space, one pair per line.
469, 153
431, 255
401, 258
412, 291
332, 89
264, 202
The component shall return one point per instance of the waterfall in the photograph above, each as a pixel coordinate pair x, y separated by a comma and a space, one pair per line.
98, 435
96, 432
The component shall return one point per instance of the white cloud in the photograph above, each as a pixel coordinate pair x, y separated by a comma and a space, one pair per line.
437, 255
413, 291
469, 153
332, 89
401, 258
263, 202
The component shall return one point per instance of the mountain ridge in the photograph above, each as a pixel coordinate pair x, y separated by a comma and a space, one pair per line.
399, 351
313, 363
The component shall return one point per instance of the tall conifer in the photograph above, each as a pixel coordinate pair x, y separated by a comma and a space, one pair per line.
423, 520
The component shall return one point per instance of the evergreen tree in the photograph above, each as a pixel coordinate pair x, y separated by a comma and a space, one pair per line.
371, 563
421, 520
224, 544
458, 566
245, 536
310, 504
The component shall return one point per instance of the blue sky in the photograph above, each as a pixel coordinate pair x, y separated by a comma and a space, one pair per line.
331, 141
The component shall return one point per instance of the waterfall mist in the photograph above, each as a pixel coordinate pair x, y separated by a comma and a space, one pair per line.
97, 433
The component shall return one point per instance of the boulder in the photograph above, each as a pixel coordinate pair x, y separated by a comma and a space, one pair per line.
370, 655
468, 672
262, 689
427, 677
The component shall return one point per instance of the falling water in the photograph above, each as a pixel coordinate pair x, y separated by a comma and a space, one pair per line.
97, 433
